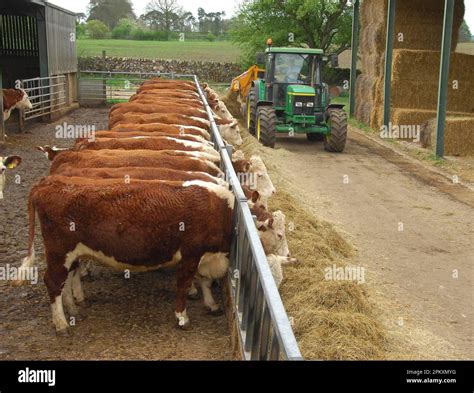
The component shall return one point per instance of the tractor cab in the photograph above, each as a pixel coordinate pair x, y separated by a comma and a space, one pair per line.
290, 97
296, 71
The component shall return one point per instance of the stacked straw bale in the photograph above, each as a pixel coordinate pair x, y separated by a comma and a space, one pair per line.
418, 34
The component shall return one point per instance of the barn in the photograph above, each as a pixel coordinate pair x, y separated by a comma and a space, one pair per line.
38, 48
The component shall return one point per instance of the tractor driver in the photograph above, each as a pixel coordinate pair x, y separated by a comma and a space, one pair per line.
288, 68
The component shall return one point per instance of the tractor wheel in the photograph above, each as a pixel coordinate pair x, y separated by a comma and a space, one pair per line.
314, 137
335, 142
251, 111
266, 126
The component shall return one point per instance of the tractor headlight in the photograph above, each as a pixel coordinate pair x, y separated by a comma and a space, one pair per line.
310, 104
299, 104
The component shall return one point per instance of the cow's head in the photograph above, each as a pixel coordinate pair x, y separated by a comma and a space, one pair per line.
50, 152
9, 162
260, 180
231, 133
273, 235
24, 102
222, 111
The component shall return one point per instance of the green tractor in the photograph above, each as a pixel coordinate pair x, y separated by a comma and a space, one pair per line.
290, 97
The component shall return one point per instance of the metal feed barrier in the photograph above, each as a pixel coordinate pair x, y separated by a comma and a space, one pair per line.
264, 329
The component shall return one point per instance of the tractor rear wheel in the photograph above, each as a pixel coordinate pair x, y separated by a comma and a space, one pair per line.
335, 142
251, 111
314, 137
266, 126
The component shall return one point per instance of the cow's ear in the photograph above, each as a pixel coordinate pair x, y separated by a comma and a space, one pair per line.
261, 226
12, 161
255, 196
40, 148
270, 223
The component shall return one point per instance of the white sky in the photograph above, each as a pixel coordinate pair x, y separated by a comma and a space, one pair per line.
228, 6
139, 5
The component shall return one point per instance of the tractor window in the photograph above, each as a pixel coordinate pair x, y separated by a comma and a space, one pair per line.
293, 68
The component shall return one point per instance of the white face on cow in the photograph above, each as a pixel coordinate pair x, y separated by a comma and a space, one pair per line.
231, 133
7, 163
260, 178
272, 234
25, 102
223, 112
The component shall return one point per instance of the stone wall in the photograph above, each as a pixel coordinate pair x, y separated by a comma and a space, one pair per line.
206, 71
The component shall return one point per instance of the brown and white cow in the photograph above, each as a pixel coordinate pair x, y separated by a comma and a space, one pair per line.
131, 134
181, 160
136, 226
8, 162
14, 99
160, 107
148, 143
139, 173
174, 129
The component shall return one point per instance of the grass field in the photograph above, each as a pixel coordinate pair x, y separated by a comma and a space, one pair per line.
466, 47
221, 51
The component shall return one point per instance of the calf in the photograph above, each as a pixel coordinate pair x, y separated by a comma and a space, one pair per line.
147, 143
275, 262
187, 161
134, 226
118, 113
8, 162
14, 99
174, 129
131, 134
166, 118
139, 173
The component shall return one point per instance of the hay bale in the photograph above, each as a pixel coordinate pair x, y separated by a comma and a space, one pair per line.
421, 94
412, 64
458, 136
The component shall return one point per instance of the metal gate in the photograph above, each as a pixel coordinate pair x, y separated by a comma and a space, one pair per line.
47, 95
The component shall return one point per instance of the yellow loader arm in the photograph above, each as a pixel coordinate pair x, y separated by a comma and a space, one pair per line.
243, 82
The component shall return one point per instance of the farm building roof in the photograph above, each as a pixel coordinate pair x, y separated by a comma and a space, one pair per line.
304, 51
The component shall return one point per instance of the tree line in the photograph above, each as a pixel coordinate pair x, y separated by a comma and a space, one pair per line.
162, 20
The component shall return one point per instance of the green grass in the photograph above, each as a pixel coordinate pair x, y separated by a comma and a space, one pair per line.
219, 51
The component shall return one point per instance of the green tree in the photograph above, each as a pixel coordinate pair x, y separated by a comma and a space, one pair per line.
164, 13
97, 29
324, 24
110, 11
464, 33
124, 28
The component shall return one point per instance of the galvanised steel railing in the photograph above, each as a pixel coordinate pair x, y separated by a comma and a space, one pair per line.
47, 95
105, 87
265, 331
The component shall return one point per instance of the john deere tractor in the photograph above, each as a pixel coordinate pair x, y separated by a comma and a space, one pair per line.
290, 97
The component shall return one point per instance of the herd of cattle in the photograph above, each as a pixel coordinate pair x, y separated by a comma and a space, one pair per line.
148, 193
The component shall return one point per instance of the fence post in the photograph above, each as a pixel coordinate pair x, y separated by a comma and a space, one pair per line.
2, 123
104, 80
444, 76
355, 47
388, 61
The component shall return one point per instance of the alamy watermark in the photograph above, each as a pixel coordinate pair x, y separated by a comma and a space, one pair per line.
391, 131
75, 131
345, 273
13, 273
